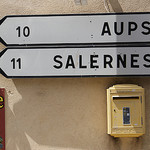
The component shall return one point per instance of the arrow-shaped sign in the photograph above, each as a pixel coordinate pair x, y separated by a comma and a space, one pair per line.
75, 29
75, 62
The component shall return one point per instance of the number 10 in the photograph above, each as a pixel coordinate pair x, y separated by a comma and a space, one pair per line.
23, 31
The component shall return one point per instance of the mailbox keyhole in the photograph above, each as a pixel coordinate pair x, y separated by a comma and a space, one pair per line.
126, 115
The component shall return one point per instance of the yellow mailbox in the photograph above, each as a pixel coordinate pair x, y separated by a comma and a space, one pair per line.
125, 111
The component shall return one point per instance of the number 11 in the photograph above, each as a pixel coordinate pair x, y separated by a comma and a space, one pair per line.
15, 62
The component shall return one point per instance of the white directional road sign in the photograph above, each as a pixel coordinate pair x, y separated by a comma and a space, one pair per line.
75, 29
75, 62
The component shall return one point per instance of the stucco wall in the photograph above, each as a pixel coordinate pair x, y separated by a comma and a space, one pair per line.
66, 113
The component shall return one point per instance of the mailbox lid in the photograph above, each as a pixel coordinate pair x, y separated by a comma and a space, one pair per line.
124, 88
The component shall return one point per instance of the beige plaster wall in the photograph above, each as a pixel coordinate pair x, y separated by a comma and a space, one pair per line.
66, 113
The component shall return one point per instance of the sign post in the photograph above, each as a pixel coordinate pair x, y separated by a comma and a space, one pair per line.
37, 30
75, 62
2, 119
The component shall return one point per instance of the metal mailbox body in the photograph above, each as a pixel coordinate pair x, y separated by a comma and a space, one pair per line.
125, 110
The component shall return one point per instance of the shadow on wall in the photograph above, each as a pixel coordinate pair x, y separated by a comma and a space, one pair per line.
55, 114
115, 6
63, 114
16, 138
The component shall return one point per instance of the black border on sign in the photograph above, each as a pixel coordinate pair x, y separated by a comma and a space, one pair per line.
68, 76
70, 44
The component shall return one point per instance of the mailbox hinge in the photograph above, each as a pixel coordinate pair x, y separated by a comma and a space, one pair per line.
141, 98
142, 120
